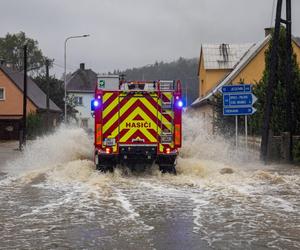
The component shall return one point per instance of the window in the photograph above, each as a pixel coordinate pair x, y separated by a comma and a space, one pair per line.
2, 94
78, 100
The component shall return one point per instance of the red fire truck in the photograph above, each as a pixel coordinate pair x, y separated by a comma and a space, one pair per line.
137, 125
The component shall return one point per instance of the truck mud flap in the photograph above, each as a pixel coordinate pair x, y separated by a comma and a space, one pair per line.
106, 163
167, 163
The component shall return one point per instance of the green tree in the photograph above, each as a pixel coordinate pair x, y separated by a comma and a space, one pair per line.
279, 116
56, 89
57, 93
11, 51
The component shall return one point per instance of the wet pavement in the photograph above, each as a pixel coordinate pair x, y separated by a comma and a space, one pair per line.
59, 201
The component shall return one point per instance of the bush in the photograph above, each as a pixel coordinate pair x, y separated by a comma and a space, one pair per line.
34, 125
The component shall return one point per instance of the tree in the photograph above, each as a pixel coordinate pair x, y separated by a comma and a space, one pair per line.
56, 89
11, 51
57, 93
278, 122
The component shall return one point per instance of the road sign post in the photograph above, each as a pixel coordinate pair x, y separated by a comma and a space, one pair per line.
246, 132
238, 100
236, 131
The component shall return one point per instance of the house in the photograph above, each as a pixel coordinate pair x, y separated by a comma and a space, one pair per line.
225, 64
81, 88
11, 102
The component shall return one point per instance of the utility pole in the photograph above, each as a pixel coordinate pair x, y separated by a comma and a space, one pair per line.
273, 79
48, 93
24, 132
289, 77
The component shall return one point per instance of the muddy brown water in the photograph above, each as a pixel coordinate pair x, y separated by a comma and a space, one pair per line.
62, 202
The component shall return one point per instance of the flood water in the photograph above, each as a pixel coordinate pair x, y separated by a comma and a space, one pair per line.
52, 198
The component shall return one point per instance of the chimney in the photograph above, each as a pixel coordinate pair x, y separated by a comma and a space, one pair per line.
268, 31
82, 66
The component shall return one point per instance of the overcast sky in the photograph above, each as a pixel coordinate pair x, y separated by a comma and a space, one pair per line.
132, 33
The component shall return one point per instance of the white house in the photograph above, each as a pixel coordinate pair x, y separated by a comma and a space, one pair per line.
81, 86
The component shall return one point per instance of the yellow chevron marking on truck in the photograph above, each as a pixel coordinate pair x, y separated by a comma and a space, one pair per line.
116, 115
158, 114
123, 109
144, 130
163, 119
137, 111
106, 96
168, 95
111, 106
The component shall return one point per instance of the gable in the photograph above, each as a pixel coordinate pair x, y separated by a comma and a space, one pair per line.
253, 71
34, 93
82, 81
13, 103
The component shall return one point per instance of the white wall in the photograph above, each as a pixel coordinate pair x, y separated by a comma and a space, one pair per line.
84, 110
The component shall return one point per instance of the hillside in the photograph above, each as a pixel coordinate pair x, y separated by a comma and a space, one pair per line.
181, 69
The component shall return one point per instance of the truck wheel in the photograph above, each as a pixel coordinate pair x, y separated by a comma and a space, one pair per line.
168, 169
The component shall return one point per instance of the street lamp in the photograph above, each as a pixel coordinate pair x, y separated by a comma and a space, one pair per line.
65, 76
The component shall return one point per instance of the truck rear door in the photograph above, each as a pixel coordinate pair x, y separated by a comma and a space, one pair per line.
138, 118
131, 118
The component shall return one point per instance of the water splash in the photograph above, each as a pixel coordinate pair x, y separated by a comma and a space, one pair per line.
64, 145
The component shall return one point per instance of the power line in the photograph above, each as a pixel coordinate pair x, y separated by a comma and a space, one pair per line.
61, 66
68, 65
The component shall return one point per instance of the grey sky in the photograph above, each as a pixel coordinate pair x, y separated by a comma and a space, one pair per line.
128, 33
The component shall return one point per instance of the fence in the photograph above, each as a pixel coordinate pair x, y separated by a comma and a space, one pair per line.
279, 146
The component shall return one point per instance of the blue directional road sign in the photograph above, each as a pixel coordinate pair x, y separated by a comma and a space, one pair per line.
239, 111
238, 99
246, 88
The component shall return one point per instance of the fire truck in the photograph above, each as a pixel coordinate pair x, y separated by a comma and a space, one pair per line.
137, 125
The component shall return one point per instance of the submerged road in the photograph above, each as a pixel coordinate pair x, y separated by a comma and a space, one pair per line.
61, 202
